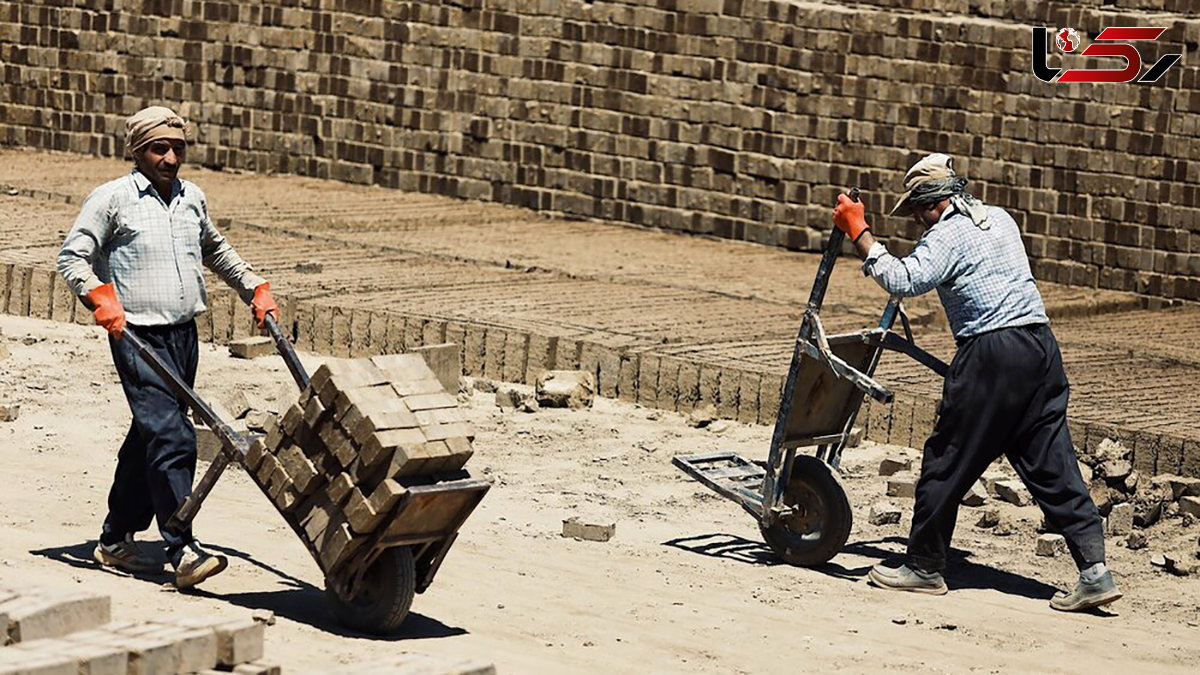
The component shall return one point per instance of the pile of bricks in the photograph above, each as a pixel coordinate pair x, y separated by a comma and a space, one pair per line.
50, 631
337, 461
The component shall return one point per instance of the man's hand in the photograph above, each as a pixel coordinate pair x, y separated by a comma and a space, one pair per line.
848, 215
107, 309
263, 304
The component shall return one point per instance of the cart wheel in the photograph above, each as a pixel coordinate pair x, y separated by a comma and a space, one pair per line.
384, 597
821, 523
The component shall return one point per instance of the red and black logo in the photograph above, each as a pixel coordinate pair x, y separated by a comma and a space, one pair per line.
1067, 40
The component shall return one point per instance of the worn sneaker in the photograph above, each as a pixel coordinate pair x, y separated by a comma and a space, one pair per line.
903, 578
126, 555
1087, 595
195, 565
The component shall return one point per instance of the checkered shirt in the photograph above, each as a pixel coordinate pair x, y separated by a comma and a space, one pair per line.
982, 276
150, 250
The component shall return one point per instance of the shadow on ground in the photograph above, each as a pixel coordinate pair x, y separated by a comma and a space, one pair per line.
961, 571
300, 601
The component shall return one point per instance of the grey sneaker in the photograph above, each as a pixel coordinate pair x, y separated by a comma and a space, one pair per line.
195, 565
126, 555
1087, 595
903, 578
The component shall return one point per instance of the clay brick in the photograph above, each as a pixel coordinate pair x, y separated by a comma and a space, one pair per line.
360, 332
608, 367
668, 383
6, 282
63, 302
221, 308
18, 294
341, 336
304, 476
339, 444
768, 398
41, 293
1170, 455
395, 334
474, 352
900, 430
444, 360
568, 355
516, 357
748, 388
360, 514
589, 360
414, 332
305, 330
710, 379
385, 496
322, 333
1145, 452
337, 544
251, 347
541, 356
377, 334
728, 384
627, 381
239, 641
381, 446
647, 392
47, 613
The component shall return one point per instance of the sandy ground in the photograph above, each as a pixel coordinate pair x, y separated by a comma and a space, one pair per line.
685, 586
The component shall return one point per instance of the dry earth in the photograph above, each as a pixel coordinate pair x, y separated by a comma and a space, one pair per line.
685, 586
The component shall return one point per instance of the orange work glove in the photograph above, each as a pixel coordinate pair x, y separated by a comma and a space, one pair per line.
848, 216
262, 304
107, 309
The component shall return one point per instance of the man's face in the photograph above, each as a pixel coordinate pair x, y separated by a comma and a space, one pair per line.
159, 160
926, 217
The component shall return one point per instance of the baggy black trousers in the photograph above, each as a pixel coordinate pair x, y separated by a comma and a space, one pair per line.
157, 461
1006, 394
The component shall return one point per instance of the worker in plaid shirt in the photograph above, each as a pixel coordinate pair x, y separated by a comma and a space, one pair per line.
1006, 391
134, 256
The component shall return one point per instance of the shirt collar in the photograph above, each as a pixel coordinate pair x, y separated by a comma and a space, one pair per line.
144, 187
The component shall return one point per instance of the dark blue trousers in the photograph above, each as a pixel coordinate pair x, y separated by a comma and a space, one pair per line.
157, 461
1006, 394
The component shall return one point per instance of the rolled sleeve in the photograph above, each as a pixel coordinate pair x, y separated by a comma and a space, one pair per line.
223, 260
930, 264
91, 232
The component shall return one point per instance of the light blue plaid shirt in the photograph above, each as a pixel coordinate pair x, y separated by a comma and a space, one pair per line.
150, 250
982, 276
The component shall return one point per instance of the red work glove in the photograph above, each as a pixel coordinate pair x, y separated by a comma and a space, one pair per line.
107, 309
848, 216
262, 304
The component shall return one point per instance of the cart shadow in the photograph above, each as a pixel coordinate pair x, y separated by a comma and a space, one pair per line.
301, 601
961, 571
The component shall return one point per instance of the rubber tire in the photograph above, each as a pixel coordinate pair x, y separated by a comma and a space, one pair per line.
825, 523
385, 595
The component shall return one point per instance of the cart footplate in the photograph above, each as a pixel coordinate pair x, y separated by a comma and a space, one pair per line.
732, 476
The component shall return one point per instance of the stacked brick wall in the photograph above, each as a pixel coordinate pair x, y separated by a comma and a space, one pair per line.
734, 118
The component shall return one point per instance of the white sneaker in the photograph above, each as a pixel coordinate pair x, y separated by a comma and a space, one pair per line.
196, 565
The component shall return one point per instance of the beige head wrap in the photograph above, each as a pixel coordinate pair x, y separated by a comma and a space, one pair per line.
931, 180
153, 123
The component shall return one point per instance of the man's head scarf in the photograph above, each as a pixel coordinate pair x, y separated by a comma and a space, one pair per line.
932, 180
154, 123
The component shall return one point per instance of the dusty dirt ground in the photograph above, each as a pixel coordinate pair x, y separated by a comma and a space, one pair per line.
685, 586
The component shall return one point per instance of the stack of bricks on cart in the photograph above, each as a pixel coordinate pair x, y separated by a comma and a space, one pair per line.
337, 462
50, 632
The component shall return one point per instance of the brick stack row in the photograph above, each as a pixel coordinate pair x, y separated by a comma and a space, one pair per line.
337, 462
735, 118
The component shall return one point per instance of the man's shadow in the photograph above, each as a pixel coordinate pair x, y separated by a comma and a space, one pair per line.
301, 601
961, 571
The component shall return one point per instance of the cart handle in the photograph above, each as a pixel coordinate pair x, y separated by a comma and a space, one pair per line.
288, 352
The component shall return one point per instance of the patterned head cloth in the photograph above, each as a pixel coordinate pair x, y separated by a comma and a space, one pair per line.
153, 123
932, 180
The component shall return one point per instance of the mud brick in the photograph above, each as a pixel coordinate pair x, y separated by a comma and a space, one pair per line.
304, 325
363, 397
769, 393
710, 379
433, 332
589, 359
338, 375
627, 381
385, 496
278, 482
39, 614
1190, 465
257, 668
445, 360
460, 451
251, 347
493, 354
314, 413
430, 402
147, 655
239, 641
340, 328
360, 332
339, 443
266, 468
305, 477
443, 431
405, 368
194, 648
879, 420
418, 387
18, 294
475, 350
380, 446
291, 421
275, 434
429, 418
221, 308
414, 332
1170, 454
362, 421
337, 545
728, 385
362, 517
668, 383
609, 368
900, 430
413, 459
516, 354
568, 355
923, 420
688, 380
6, 272
18, 661
41, 293
322, 329
1145, 452
62, 307
254, 455
394, 342
319, 514
377, 335
96, 659
542, 349
647, 382
338, 488
748, 389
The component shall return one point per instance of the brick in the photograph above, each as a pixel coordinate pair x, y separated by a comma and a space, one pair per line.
41, 293
6, 282
689, 387
516, 357
748, 388
337, 545
304, 476
239, 641
668, 383
902, 485
647, 393
257, 668
493, 356
710, 379
45, 613
360, 514
251, 347
445, 362
339, 443
541, 356
900, 430
339, 488
360, 332
728, 384
405, 367
18, 294
769, 392
608, 366
340, 331
474, 351
63, 302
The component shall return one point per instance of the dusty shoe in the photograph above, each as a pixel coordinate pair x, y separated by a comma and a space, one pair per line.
126, 555
195, 565
903, 578
1087, 595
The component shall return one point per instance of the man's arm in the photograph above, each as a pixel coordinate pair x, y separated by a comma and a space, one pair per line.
931, 263
92, 230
